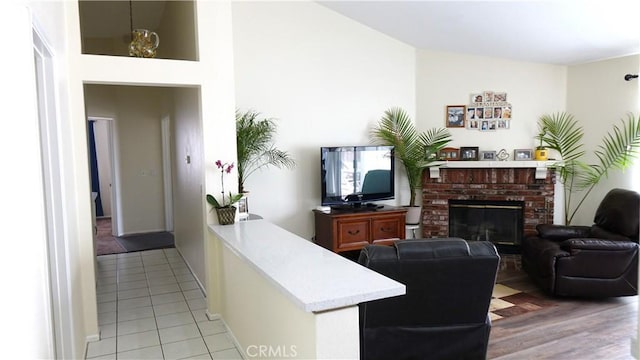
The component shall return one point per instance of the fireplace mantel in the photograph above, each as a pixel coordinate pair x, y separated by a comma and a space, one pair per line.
540, 166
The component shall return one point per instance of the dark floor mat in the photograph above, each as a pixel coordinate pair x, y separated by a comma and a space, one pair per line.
149, 241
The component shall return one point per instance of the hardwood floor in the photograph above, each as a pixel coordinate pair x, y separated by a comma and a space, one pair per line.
574, 329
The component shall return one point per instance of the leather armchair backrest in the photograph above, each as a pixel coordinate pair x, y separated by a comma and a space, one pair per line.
449, 281
619, 213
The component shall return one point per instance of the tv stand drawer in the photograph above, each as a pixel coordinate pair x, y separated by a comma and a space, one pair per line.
347, 231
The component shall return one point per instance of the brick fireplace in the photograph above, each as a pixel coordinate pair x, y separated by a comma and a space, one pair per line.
488, 184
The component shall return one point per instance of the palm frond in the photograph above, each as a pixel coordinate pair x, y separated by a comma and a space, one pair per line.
256, 150
618, 149
411, 148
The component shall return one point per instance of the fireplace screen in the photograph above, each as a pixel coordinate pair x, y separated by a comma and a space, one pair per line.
500, 222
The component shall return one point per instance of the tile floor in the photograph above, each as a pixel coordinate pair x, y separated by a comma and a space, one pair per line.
151, 307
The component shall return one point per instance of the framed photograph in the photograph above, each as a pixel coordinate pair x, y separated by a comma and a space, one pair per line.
489, 155
469, 153
455, 116
506, 112
477, 98
450, 154
488, 96
497, 112
500, 96
485, 125
522, 154
243, 208
488, 113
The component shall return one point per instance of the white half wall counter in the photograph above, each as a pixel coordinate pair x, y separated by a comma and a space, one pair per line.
283, 294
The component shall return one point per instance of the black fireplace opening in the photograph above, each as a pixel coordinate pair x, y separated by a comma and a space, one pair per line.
500, 222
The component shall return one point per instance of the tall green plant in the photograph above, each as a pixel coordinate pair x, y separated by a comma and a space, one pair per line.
415, 150
618, 149
256, 149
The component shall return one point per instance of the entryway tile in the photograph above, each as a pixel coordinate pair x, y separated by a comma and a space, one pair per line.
136, 326
184, 349
177, 319
218, 342
211, 327
170, 308
102, 347
153, 352
147, 312
135, 313
138, 340
228, 354
179, 333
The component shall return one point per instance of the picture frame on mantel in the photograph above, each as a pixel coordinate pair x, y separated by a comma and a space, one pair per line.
449, 154
522, 154
488, 155
469, 153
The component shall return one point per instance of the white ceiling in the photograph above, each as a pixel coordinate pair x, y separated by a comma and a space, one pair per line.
552, 31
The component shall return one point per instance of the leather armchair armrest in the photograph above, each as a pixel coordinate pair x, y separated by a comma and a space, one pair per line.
562, 232
573, 245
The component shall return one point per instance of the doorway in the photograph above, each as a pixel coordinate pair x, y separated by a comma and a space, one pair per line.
102, 160
60, 318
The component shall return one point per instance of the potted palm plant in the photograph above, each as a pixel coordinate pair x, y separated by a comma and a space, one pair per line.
541, 150
415, 150
618, 149
256, 149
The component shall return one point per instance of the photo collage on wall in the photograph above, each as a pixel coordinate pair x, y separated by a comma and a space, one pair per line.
489, 111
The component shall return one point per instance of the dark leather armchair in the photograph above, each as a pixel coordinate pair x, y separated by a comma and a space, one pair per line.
589, 261
444, 314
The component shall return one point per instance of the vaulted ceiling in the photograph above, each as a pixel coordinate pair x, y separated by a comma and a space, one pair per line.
549, 31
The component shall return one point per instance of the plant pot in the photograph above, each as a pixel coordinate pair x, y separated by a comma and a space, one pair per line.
414, 215
541, 154
226, 215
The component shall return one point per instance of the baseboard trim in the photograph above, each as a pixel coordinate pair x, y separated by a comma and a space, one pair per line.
87, 340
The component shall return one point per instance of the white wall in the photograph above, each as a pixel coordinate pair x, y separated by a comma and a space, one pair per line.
445, 78
22, 208
24, 202
326, 79
598, 97
188, 216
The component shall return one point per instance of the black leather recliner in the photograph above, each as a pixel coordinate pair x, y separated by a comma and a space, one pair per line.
589, 261
444, 314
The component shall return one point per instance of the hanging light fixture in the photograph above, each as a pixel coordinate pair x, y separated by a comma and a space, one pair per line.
143, 42
131, 19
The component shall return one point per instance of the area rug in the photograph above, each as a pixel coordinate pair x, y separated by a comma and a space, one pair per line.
108, 244
147, 241
507, 302
105, 242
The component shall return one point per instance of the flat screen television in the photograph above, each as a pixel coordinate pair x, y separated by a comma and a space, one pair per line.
354, 176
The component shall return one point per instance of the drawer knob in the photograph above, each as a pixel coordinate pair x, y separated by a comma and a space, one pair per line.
353, 232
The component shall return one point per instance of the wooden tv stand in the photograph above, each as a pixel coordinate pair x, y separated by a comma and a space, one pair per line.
345, 230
